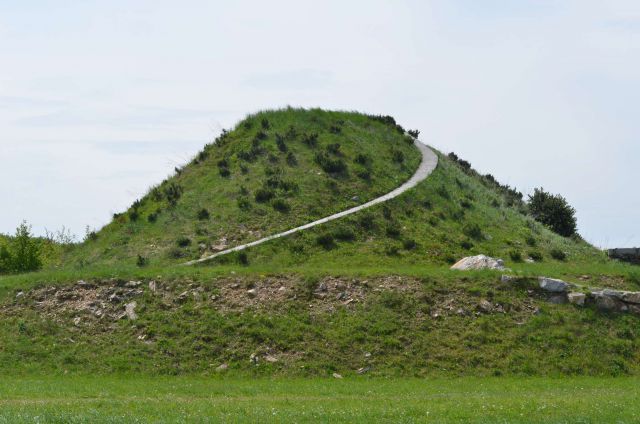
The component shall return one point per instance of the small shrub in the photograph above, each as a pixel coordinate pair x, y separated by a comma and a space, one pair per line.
393, 230
473, 231
280, 143
466, 204
364, 174
334, 148
224, 172
264, 195
265, 124
409, 244
443, 192
326, 241
392, 250
203, 214
362, 159
176, 253
367, 222
142, 261
172, 192
291, 159
531, 241
553, 211
344, 234
536, 256
331, 166
515, 256
134, 214
466, 245
308, 286
310, 140
260, 135
414, 133
153, 217
334, 129
244, 203
25, 253
183, 241
558, 254
397, 156
281, 205
243, 259
386, 212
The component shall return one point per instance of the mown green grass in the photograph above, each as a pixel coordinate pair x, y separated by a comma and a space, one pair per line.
128, 399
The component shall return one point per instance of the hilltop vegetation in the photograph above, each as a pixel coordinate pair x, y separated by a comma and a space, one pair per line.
273, 171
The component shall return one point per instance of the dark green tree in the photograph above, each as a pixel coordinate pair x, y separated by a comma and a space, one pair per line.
25, 250
554, 211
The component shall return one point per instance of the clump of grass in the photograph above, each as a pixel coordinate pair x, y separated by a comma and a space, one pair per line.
515, 255
326, 241
558, 254
264, 195
281, 205
536, 255
142, 261
203, 214
183, 241
473, 231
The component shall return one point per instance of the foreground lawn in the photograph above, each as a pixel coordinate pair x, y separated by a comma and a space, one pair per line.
196, 399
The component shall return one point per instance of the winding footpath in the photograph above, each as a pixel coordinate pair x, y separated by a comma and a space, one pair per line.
427, 165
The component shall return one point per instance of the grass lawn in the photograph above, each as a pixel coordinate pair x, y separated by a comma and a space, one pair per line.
197, 399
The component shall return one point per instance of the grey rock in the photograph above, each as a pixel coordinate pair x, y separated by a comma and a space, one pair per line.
336, 375
553, 285
558, 299
507, 278
130, 310
485, 306
153, 286
576, 298
252, 292
270, 358
222, 367
363, 370
19, 295
478, 262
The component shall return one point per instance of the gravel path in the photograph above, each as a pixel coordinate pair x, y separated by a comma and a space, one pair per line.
428, 164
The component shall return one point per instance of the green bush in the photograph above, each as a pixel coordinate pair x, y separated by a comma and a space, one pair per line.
558, 254
24, 253
409, 244
243, 259
183, 241
515, 256
281, 205
141, 261
473, 231
536, 256
553, 211
263, 195
344, 234
203, 214
326, 241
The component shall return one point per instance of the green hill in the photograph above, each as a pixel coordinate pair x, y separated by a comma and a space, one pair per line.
371, 293
275, 170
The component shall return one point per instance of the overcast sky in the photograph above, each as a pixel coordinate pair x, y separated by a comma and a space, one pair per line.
100, 100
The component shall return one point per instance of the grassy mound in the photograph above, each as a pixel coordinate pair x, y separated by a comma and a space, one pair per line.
275, 170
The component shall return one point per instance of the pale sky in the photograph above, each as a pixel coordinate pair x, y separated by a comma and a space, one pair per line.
100, 100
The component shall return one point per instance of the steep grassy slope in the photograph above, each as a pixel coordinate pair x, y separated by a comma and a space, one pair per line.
275, 170
450, 215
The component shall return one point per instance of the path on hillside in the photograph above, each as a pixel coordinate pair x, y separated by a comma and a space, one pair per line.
427, 165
